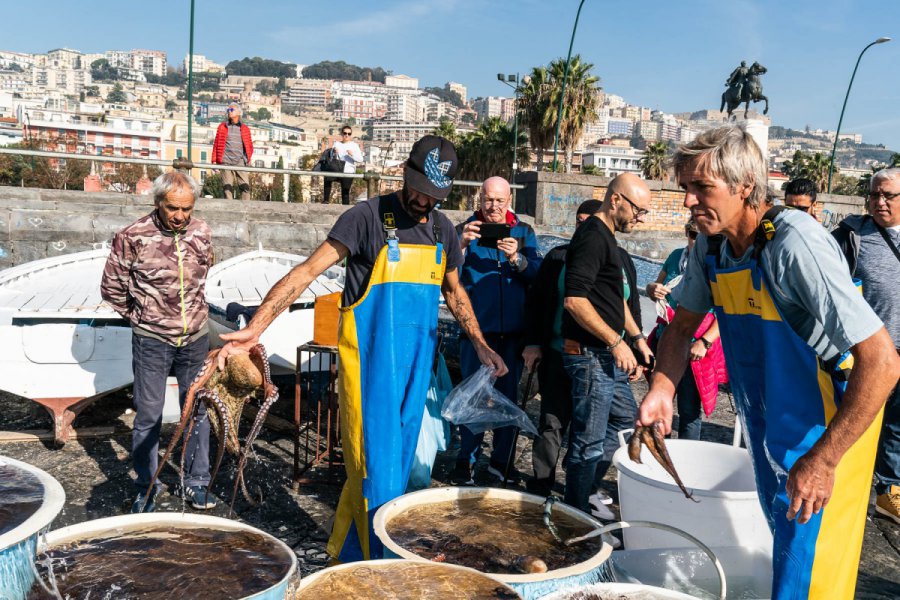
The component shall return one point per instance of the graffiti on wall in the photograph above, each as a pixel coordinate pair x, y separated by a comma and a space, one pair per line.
831, 219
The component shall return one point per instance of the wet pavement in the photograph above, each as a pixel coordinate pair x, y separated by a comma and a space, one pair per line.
95, 473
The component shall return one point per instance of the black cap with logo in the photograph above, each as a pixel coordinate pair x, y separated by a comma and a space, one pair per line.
431, 166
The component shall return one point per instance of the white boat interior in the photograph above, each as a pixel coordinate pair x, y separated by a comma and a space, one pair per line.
58, 339
243, 281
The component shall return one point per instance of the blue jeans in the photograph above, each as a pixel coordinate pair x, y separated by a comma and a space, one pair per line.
887, 463
151, 362
689, 408
622, 415
593, 379
509, 347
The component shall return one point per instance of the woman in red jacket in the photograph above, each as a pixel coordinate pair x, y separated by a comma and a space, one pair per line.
233, 146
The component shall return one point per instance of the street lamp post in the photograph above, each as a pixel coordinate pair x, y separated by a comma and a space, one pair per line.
190, 86
562, 92
837, 134
509, 79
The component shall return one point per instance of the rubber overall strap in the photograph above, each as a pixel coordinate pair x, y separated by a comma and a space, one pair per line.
388, 222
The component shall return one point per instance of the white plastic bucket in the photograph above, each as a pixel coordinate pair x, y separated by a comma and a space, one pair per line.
97, 527
529, 587
376, 565
17, 546
625, 591
727, 512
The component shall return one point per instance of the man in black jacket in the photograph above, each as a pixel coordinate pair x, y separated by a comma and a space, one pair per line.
544, 346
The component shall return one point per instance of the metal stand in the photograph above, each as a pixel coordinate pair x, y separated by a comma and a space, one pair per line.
320, 424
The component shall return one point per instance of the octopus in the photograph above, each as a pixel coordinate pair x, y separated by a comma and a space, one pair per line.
225, 394
652, 436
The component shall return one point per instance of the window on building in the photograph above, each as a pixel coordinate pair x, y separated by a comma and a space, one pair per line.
178, 153
203, 156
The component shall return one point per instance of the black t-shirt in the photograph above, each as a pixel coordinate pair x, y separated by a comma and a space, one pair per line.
594, 271
361, 231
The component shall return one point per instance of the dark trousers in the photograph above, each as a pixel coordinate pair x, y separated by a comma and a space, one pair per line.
509, 347
346, 184
597, 384
151, 362
887, 463
556, 414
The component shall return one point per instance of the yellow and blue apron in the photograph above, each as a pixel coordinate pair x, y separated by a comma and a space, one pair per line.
786, 396
386, 349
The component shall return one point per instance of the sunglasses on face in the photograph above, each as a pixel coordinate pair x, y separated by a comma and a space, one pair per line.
875, 197
692, 234
346, 133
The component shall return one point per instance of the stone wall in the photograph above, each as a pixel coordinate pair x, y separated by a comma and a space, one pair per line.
38, 223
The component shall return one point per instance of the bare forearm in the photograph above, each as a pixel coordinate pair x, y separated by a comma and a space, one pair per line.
459, 304
584, 314
874, 375
631, 326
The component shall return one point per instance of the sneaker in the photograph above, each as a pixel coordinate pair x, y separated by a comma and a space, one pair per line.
462, 474
139, 502
602, 512
199, 497
599, 498
497, 469
888, 504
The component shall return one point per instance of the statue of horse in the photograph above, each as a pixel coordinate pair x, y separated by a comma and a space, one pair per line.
751, 91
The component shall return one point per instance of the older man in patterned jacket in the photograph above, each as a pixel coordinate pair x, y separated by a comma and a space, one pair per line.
155, 277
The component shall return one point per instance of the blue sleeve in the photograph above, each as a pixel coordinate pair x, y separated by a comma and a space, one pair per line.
809, 271
672, 262
693, 292
530, 251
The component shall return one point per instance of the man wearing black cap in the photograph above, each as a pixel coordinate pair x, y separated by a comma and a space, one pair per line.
401, 256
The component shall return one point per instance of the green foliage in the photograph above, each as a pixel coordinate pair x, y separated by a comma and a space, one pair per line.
845, 185
653, 163
14, 67
206, 82
92, 91
117, 95
263, 114
172, 77
266, 88
308, 161
101, 70
171, 105
295, 189
591, 170
812, 166
446, 95
261, 67
341, 70
488, 151
447, 129
213, 186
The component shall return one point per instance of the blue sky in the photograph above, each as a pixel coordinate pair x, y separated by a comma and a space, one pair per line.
669, 55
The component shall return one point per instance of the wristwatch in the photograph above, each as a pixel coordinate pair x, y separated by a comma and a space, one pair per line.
519, 263
706, 343
635, 338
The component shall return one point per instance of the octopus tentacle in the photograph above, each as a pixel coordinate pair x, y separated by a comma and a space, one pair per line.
248, 444
221, 411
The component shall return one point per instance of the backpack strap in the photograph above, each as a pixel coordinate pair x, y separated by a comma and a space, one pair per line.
766, 230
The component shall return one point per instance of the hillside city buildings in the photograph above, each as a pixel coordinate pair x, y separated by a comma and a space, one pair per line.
117, 103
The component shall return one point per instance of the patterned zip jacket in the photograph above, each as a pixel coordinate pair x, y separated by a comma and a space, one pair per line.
156, 278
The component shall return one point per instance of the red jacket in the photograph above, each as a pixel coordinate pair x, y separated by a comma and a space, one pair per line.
222, 137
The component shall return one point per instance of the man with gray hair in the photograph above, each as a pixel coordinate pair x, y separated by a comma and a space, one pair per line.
155, 277
233, 146
792, 323
870, 244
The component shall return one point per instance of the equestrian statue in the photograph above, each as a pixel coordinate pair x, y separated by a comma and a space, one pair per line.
744, 87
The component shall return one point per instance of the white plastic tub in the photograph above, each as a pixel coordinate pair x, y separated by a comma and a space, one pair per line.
727, 512
530, 587
625, 591
98, 527
376, 565
17, 546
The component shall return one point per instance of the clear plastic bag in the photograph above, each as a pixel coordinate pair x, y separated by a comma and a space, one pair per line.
479, 406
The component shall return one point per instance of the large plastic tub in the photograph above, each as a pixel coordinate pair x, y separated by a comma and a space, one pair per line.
727, 512
530, 587
18, 545
375, 565
98, 527
625, 591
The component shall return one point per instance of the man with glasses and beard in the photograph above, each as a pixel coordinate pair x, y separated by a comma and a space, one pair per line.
598, 329
402, 254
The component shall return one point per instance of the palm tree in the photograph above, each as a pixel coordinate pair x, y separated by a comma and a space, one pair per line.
653, 163
447, 129
579, 104
817, 170
534, 102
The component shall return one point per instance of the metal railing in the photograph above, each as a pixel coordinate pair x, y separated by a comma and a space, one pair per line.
372, 178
